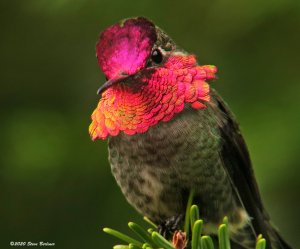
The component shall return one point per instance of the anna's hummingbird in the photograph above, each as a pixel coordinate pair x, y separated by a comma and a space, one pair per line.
169, 132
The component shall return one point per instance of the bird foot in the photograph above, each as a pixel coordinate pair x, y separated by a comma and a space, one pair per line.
170, 225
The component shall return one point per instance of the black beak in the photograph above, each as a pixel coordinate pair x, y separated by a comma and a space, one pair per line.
111, 82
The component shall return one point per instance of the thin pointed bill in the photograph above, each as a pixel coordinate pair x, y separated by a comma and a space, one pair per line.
111, 82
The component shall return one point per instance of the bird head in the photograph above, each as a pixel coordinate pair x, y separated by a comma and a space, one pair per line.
149, 79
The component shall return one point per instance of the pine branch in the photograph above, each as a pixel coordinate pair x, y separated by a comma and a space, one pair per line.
149, 238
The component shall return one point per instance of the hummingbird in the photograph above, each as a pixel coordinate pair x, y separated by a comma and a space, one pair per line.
169, 132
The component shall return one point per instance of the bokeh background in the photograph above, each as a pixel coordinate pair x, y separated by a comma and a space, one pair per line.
55, 183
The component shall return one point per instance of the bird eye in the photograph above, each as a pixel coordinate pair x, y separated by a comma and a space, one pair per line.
156, 56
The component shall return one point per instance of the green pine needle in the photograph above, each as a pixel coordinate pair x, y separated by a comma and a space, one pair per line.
121, 247
133, 246
260, 244
161, 241
150, 222
122, 236
141, 232
206, 242
146, 246
194, 215
187, 213
224, 242
196, 234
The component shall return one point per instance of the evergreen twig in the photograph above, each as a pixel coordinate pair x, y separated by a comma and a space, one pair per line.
149, 238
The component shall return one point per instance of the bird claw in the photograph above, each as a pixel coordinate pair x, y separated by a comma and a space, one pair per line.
170, 225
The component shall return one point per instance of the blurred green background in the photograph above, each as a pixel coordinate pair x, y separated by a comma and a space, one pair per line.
55, 183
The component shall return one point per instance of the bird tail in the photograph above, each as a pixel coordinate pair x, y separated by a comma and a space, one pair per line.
277, 240
282, 244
